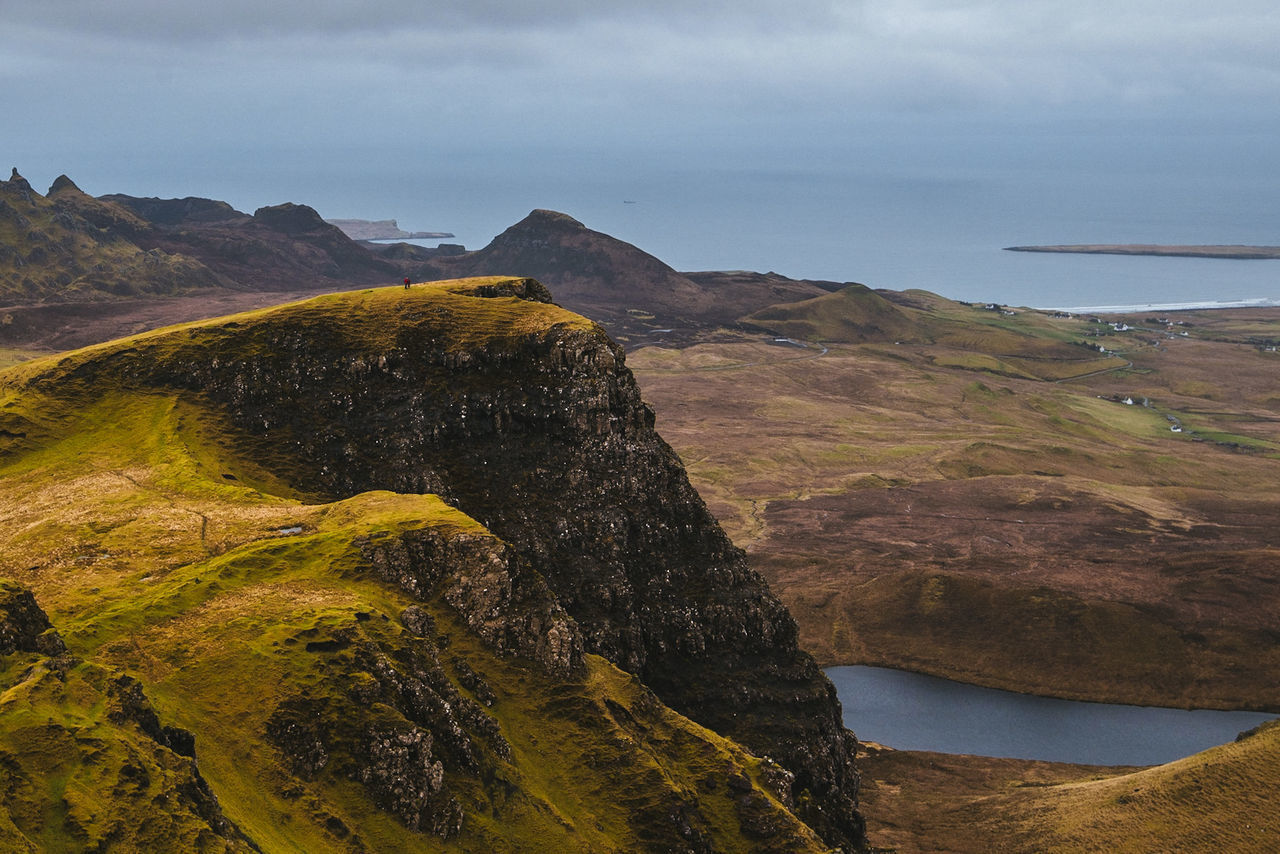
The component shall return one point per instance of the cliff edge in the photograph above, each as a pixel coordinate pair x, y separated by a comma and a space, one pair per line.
442, 525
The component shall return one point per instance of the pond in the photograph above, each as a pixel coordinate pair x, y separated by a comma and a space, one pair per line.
909, 711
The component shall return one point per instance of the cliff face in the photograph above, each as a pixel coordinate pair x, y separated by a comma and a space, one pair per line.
581, 538
543, 438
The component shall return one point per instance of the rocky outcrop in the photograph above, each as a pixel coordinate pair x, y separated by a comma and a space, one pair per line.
538, 432
23, 626
589, 271
485, 581
394, 723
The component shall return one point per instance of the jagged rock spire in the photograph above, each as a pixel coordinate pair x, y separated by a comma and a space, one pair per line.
19, 186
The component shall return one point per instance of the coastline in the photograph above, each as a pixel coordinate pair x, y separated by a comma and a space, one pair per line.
1133, 308
1233, 252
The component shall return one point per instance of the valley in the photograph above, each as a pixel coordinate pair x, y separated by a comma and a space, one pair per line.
1074, 506
976, 510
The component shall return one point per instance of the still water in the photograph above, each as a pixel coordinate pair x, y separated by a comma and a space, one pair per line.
914, 712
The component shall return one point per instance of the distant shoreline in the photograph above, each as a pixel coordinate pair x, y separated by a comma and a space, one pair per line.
1236, 252
1135, 308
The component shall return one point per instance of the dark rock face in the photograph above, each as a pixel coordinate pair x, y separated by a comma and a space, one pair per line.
129, 705
485, 581
23, 626
543, 437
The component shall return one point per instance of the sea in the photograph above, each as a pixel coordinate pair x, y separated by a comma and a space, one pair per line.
942, 230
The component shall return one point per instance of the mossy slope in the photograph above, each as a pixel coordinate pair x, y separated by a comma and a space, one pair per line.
1220, 800
361, 670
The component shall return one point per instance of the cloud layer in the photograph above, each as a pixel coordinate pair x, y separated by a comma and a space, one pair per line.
913, 53
291, 87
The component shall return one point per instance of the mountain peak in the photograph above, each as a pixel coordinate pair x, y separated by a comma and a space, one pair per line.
291, 218
61, 184
544, 218
18, 186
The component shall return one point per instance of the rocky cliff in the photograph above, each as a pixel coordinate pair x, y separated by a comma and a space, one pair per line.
68, 246
446, 656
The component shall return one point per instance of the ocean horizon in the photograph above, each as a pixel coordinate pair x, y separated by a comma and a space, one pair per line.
912, 229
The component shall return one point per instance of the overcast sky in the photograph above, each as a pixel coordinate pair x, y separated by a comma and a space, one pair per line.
334, 103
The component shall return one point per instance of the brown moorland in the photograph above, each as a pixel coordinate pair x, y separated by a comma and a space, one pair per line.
1049, 504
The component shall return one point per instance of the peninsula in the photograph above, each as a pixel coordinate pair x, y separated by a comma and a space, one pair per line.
382, 229
1205, 251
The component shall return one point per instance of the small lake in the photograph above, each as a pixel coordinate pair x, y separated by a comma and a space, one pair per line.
909, 711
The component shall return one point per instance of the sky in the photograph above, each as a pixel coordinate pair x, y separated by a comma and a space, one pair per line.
463, 115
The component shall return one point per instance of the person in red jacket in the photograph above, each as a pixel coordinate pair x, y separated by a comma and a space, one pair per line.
406, 283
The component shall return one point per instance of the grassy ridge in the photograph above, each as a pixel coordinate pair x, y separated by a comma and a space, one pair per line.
159, 548
1221, 799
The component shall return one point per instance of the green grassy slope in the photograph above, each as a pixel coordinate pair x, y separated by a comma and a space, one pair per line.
336, 706
1016, 344
1222, 799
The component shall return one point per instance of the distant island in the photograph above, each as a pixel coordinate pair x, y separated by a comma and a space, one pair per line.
1238, 252
382, 229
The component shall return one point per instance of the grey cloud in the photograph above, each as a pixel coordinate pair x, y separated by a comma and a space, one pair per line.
915, 53
187, 20
326, 76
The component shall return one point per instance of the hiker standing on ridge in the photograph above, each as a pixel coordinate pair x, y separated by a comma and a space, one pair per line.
406, 283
